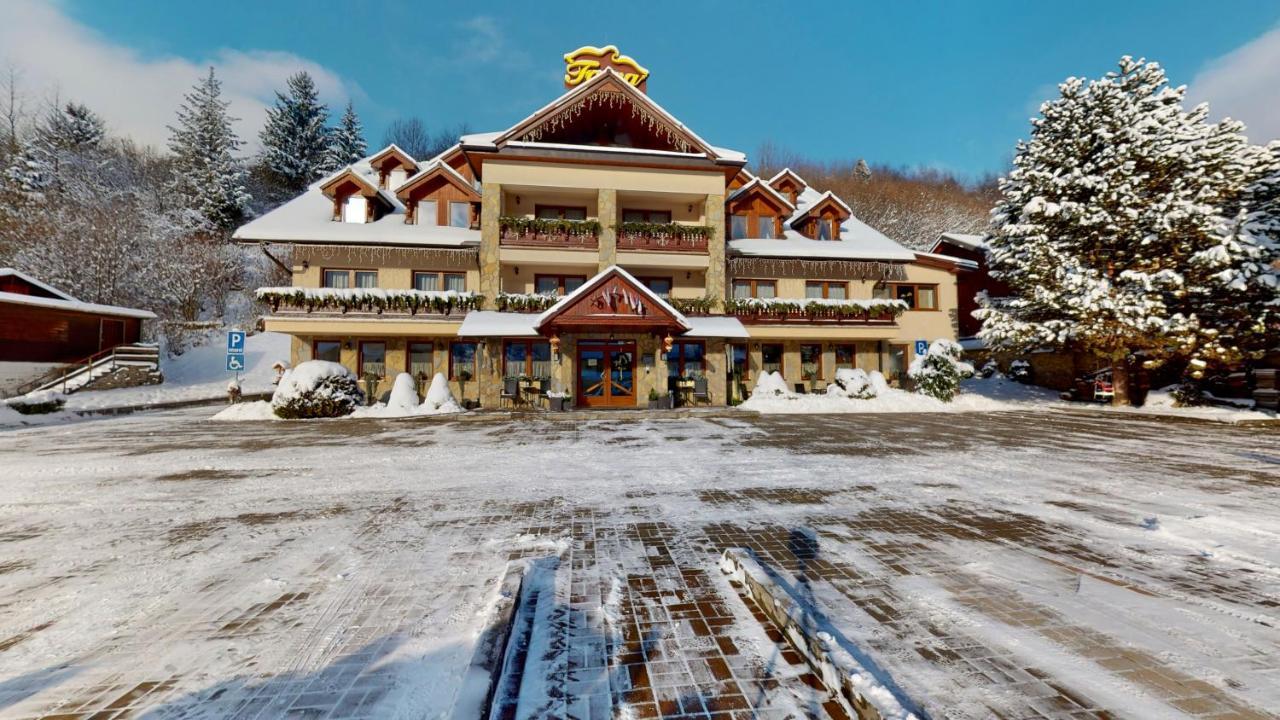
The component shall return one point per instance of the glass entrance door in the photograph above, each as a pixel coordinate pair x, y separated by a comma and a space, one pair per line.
606, 374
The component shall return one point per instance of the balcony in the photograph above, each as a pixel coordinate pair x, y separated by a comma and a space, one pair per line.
538, 233
809, 311
663, 237
367, 301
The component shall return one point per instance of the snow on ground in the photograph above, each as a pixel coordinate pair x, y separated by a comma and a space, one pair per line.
198, 374
1003, 566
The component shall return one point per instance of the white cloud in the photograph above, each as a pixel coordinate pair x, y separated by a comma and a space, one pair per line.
138, 96
1244, 84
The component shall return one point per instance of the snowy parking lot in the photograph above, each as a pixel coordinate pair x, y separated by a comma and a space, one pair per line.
1019, 564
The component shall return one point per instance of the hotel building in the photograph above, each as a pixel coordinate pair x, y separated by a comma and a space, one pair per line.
598, 248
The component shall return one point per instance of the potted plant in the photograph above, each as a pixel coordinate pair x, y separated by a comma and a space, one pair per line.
653, 399
558, 401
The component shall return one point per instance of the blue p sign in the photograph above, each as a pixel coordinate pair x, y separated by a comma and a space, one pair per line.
235, 363
922, 347
235, 341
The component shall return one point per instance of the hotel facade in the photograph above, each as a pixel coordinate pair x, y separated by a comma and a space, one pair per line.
599, 250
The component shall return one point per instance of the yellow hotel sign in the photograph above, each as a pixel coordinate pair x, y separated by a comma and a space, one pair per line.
586, 62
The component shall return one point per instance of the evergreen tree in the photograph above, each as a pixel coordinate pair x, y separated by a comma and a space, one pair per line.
206, 175
295, 141
862, 171
70, 133
1116, 228
347, 145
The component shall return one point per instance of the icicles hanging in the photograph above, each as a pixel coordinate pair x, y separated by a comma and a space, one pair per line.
613, 100
851, 269
390, 256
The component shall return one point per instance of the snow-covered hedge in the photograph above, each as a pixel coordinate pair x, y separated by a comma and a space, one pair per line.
875, 308
938, 372
370, 299
525, 302
38, 403
855, 383
317, 389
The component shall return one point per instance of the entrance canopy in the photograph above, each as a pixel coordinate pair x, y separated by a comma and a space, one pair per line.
612, 301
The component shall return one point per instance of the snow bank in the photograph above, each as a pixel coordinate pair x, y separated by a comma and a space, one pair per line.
439, 398
403, 401
256, 410
772, 397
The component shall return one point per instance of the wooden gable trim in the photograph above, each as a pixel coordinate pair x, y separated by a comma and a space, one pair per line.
760, 189
936, 263
367, 189
619, 308
379, 160
437, 170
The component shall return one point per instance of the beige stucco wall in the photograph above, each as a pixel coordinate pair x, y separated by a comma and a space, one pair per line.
594, 177
395, 266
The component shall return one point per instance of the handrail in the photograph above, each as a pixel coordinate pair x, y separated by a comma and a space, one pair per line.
88, 364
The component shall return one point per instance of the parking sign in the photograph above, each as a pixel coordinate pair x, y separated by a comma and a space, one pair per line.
922, 347
235, 362
235, 341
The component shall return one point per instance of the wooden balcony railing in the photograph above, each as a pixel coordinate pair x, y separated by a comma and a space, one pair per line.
527, 232
844, 312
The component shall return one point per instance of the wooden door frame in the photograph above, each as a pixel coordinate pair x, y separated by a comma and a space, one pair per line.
606, 400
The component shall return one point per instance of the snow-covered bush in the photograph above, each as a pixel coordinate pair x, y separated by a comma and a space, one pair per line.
770, 384
404, 394
317, 389
853, 383
938, 372
38, 403
439, 400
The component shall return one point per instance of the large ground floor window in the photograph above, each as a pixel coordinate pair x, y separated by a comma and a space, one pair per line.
527, 358
846, 356
810, 362
373, 359
896, 367
327, 350
771, 357
421, 360
687, 360
462, 361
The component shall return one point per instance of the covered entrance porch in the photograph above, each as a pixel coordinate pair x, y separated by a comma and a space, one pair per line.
606, 373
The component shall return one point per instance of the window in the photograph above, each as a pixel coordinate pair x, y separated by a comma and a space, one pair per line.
427, 213
432, 280
755, 289
647, 216
661, 286
460, 214
917, 297
327, 350
824, 229
830, 289
771, 357
897, 364
737, 227
686, 360
811, 362
354, 209
462, 360
766, 224
373, 360
421, 360
557, 284
739, 365
846, 357
560, 212
349, 278
530, 358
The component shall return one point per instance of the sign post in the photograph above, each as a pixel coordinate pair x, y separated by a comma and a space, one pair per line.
235, 352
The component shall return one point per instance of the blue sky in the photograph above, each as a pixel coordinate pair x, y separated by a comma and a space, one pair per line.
944, 84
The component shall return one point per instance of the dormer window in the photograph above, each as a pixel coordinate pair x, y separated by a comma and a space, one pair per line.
427, 213
460, 214
396, 178
766, 224
825, 228
737, 227
355, 209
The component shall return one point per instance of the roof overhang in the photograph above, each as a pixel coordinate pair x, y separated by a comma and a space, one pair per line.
613, 300
437, 169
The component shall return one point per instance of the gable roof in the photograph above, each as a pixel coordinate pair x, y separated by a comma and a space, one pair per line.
574, 297
757, 183
788, 173
391, 150
14, 272
610, 77
961, 240
432, 169
822, 200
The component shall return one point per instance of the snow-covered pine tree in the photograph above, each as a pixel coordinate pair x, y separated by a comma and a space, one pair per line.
1109, 220
206, 175
68, 133
295, 141
346, 144
862, 171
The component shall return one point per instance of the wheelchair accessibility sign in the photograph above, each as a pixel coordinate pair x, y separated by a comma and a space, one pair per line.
235, 362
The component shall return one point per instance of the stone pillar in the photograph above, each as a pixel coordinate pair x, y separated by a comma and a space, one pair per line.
716, 251
607, 204
490, 266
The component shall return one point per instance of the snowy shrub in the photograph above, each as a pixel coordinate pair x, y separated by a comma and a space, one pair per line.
852, 383
770, 384
439, 400
1187, 394
938, 372
38, 403
404, 394
317, 389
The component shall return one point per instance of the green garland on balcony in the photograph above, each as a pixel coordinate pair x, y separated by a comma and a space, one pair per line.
525, 302
875, 308
370, 300
675, 229
694, 306
528, 226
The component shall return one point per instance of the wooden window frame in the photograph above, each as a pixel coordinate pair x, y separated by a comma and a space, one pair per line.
408, 355
644, 280
317, 341
680, 356
528, 344
413, 277
835, 357
351, 276
670, 215
755, 284
893, 294
746, 217
818, 375
360, 358
826, 287
782, 357
448, 210
746, 350
819, 223
775, 235
561, 281
475, 358
538, 208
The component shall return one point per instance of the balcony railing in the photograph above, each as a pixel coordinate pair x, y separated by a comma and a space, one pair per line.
533, 232
782, 310
374, 301
664, 237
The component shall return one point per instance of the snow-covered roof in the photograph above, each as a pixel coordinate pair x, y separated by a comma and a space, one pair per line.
388, 150
810, 199
488, 323
74, 306
966, 241
14, 272
480, 140
758, 183
431, 166
858, 240
961, 262
788, 171
308, 219
715, 326
599, 277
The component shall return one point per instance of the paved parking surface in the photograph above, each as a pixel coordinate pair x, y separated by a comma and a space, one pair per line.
1024, 565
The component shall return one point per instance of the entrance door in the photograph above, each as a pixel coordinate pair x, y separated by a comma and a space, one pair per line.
606, 374
112, 334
